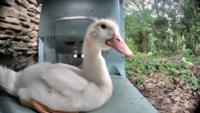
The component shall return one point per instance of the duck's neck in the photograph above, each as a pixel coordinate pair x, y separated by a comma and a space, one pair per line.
94, 66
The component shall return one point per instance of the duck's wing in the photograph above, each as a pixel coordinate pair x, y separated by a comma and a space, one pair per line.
70, 92
77, 70
62, 78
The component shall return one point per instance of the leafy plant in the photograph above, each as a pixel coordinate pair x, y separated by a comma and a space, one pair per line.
131, 45
145, 67
139, 79
187, 52
183, 59
167, 79
5, 42
10, 51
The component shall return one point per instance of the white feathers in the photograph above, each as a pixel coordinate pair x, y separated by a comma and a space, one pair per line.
64, 87
24, 94
8, 79
59, 80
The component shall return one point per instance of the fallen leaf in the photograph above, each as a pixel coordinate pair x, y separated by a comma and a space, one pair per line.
188, 97
187, 112
198, 92
177, 99
179, 89
162, 83
186, 105
176, 79
149, 85
153, 102
154, 81
159, 97
166, 72
182, 82
184, 88
141, 87
133, 77
173, 111
166, 100
175, 92
159, 101
187, 86
135, 73
152, 74
195, 94
193, 101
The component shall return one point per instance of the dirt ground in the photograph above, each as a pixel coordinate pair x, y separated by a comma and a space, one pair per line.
175, 98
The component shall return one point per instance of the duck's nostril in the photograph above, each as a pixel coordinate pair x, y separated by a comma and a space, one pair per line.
118, 39
106, 42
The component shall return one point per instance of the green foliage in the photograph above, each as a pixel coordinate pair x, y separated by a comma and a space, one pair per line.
160, 29
139, 79
9, 51
187, 52
164, 53
144, 67
165, 28
185, 75
138, 26
167, 79
130, 43
193, 60
5, 42
183, 59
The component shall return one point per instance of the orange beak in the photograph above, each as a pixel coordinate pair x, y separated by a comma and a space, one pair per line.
118, 44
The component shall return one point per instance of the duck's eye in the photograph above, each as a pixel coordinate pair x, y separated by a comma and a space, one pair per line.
103, 26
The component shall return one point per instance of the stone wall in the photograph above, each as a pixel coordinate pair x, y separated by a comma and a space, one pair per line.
18, 16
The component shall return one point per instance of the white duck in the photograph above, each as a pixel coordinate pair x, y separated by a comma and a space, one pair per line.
67, 88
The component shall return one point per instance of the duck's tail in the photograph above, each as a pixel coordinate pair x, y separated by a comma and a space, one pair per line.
8, 79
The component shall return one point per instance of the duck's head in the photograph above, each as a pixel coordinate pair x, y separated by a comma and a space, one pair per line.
104, 35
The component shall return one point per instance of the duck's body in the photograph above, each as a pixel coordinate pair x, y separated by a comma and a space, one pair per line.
67, 88
64, 87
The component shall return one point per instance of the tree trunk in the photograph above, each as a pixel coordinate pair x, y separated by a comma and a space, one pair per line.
193, 45
182, 44
168, 41
165, 38
156, 7
156, 44
198, 46
177, 43
143, 42
146, 43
